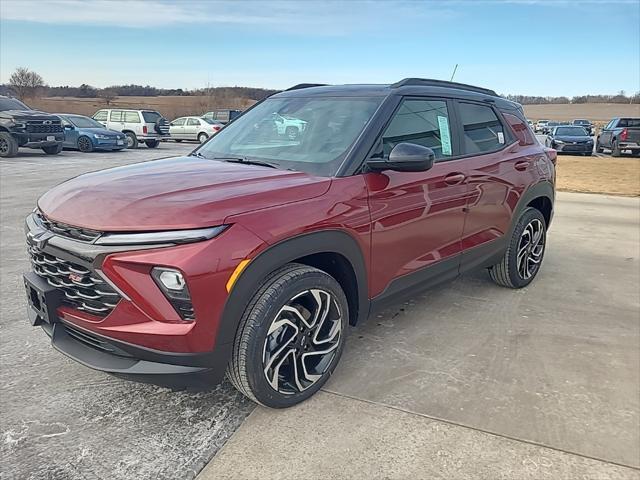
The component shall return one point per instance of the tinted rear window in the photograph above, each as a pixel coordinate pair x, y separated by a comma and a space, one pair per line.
629, 122
12, 104
151, 117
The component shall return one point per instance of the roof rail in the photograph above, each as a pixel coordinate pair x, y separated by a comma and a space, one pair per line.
427, 82
305, 85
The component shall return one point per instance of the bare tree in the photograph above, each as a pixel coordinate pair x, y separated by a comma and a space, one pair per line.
25, 83
107, 95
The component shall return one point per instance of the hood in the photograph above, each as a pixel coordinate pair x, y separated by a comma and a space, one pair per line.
175, 193
100, 131
572, 138
28, 115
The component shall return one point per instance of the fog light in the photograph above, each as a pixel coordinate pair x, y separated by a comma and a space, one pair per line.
174, 287
172, 279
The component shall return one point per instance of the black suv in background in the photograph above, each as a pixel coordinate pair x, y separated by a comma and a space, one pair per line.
20, 126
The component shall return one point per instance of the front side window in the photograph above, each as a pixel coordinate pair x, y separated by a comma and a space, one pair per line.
100, 116
131, 117
12, 104
482, 130
423, 122
314, 137
193, 122
116, 116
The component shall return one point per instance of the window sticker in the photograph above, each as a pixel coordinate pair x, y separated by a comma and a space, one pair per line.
500, 137
445, 138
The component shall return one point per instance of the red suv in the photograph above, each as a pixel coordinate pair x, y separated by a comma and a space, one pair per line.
251, 255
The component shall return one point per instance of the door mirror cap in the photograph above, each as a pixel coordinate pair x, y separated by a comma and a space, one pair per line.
405, 157
68, 127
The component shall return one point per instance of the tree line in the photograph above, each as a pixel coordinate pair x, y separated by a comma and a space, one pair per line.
25, 84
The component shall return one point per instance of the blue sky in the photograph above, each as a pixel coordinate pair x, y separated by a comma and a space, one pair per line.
532, 47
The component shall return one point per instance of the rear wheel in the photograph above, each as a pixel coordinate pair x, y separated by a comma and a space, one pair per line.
203, 137
152, 143
290, 337
132, 140
523, 258
53, 150
615, 149
8, 145
85, 144
599, 149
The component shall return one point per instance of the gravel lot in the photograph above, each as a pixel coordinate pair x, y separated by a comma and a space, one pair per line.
61, 420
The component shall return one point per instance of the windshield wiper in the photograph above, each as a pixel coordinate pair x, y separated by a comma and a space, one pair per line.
197, 154
246, 161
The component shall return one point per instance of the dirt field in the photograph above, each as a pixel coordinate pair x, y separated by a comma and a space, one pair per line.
170, 107
596, 112
615, 176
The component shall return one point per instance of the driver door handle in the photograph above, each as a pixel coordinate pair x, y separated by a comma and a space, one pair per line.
455, 178
523, 165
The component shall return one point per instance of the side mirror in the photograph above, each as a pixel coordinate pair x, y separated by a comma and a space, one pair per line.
405, 157
68, 127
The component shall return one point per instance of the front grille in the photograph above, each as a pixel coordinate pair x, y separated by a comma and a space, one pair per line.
82, 288
76, 233
92, 341
38, 126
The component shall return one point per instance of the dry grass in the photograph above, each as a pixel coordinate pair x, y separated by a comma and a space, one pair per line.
596, 112
614, 176
170, 107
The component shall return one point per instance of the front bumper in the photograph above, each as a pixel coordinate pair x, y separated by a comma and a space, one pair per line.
143, 335
573, 148
103, 144
38, 140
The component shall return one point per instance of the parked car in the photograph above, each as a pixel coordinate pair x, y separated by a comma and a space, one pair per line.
547, 129
223, 116
85, 134
540, 125
146, 126
193, 128
570, 139
618, 135
251, 255
584, 123
23, 127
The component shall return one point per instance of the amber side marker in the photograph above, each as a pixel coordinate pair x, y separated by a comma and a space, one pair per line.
236, 273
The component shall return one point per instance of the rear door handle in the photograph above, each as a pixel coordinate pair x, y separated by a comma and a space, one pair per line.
455, 178
522, 165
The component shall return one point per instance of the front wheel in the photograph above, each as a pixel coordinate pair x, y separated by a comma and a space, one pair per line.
290, 337
8, 145
522, 260
85, 144
53, 150
599, 149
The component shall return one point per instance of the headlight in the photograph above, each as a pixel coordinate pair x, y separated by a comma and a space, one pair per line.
19, 126
171, 236
557, 141
100, 136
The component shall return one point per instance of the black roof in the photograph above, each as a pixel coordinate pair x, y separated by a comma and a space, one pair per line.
407, 86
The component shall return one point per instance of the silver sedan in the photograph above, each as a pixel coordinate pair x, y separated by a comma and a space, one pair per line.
193, 128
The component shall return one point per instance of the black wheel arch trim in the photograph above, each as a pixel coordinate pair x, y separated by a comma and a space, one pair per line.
543, 189
281, 253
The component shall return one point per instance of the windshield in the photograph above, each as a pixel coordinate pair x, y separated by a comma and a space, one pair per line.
311, 135
84, 122
150, 117
12, 104
571, 131
581, 122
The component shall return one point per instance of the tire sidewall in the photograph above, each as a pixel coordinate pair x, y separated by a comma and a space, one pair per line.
527, 216
12, 145
264, 312
134, 141
203, 137
90, 144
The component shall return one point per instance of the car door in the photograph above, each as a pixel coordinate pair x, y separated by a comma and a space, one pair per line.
70, 134
176, 128
606, 134
417, 217
191, 128
501, 167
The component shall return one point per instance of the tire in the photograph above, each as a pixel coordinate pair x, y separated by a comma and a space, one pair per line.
264, 353
177, 141
599, 149
511, 273
615, 150
152, 143
291, 133
203, 137
132, 140
85, 144
53, 150
8, 145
